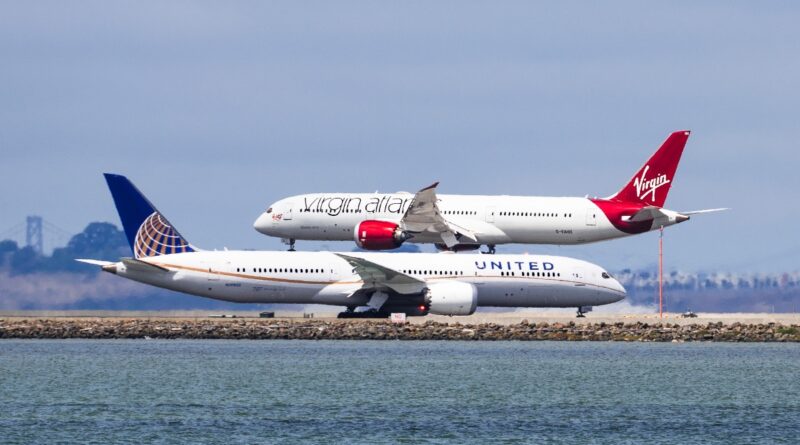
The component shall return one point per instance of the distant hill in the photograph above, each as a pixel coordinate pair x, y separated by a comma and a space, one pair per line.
99, 240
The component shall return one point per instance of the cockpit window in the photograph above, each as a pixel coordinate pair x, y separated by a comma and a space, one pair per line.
605, 275
269, 210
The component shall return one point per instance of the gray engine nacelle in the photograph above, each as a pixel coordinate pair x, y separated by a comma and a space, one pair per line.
452, 298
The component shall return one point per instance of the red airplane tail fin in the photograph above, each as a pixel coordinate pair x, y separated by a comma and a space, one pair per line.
651, 183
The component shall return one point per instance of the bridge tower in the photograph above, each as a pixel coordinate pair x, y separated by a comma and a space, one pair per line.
33, 234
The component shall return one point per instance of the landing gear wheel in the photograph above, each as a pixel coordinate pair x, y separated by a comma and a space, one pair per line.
370, 313
491, 249
581, 314
351, 308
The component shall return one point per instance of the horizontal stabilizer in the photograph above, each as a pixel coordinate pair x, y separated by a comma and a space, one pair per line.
699, 212
143, 266
94, 262
648, 213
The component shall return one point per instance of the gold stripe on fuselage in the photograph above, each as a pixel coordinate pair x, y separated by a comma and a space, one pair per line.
328, 282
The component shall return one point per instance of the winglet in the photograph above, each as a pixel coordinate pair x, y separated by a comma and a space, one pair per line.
432, 186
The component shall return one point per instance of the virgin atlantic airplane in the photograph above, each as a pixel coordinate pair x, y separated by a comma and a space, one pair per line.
379, 221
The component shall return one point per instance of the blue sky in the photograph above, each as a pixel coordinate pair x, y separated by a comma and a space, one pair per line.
216, 109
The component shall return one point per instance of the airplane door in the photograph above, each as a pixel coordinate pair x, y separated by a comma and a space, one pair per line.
490, 214
591, 216
287, 215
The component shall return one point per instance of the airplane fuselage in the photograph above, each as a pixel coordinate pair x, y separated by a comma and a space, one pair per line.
492, 219
325, 278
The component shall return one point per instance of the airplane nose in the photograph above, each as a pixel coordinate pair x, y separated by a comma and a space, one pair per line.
263, 223
621, 294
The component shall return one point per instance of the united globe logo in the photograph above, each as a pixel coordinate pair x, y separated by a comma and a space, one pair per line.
157, 237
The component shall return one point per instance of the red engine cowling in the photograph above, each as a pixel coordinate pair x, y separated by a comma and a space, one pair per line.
379, 235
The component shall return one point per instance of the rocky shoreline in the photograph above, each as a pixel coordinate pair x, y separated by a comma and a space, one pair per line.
258, 329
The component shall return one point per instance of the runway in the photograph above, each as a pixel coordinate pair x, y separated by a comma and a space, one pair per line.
500, 318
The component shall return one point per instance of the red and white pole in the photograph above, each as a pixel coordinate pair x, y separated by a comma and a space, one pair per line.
661, 273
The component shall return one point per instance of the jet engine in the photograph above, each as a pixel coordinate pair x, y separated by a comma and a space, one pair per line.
452, 298
379, 235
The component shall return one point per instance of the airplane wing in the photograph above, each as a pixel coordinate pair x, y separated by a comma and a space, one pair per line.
423, 215
380, 277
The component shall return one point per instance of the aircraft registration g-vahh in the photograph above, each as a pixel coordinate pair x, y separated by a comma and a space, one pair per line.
465, 222
413, 283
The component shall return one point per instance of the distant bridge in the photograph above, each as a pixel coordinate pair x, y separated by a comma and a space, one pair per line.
36, 231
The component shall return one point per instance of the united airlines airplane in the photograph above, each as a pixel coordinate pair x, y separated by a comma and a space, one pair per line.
465, 222
416, 284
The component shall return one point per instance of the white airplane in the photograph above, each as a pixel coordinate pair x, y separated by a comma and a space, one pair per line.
413, 283
464, 222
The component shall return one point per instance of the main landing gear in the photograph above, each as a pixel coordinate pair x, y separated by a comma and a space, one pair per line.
369, 313
491, 249
581, 312
290, 242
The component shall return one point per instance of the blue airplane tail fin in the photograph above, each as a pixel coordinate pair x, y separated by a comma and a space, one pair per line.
148, 231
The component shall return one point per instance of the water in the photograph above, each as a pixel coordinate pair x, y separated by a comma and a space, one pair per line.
138, 391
